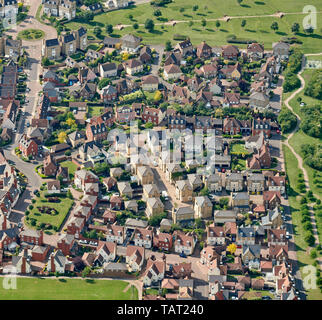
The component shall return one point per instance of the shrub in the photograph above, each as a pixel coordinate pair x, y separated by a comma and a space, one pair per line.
309, 239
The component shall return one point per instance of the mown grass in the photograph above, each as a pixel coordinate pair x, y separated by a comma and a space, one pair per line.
62, 208
69, 289
257, 28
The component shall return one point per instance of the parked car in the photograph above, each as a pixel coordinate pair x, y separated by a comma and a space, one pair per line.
266, 298
183, 255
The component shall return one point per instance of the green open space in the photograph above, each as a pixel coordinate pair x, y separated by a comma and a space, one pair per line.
31, 34
69, 289
256, 28
55, 220
303, 257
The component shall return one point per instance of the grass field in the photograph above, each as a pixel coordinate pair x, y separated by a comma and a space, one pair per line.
72, 167
257, 28
62, 207
302, 256
69, 289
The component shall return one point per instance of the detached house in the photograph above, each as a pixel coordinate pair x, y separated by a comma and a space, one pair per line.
108, 70
27, 146
155, 271
130, 43
204, 50
184, 243
256, 182
276, 183
230, 52
134, 258
255, 51
234, 182
215, 235
133, 66
184, 191
82, 177
203, 207
185, 47
172, 72
154, 207
150, 83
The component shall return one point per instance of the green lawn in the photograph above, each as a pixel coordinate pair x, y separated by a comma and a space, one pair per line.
72, 167
69, 289
95, 111
256, 28
239, 148
303, 258
62, 207
31, 34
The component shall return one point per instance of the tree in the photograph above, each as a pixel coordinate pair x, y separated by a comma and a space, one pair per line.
157, 13
149, 25
158, 96
87, 270
239, 1
217, 24
203, 22
109, 29
131, 17
219, 113
195, 7
243, 23
103, 83
295, 27
135, 26
97, 31
70, 122
62, 137
308, 29
274, 26
168, 46
190, 23
232, 248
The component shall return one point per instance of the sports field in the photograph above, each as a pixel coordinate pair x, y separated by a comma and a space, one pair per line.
68, 289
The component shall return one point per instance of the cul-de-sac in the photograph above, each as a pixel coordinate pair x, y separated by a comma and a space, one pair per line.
160, 150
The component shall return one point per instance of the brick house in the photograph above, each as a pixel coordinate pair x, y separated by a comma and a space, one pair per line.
271, 199
260, 125
163, 241
204, 50
65, 243
96, 131
39, 253
82, 177
150, 115
230, 52
27, 146
32, 236
49, 166
75, 226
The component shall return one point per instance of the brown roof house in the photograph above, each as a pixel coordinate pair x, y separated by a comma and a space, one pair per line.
134, 258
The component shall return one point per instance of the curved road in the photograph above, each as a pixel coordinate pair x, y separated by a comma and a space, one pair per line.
33, 69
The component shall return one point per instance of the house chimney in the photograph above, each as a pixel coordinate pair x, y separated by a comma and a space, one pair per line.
52, 264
